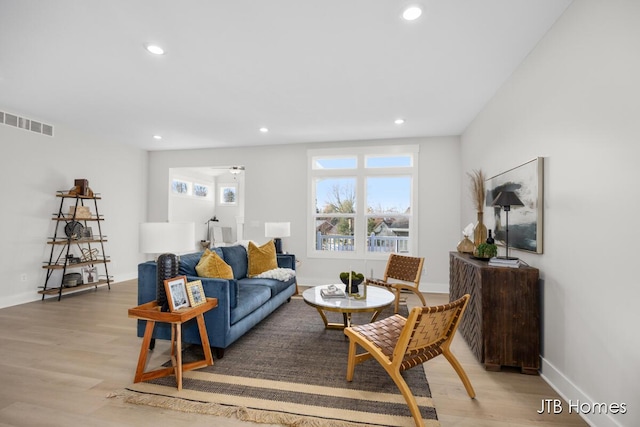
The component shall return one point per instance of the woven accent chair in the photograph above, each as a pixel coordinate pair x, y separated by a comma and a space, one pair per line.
407, 270
399, 344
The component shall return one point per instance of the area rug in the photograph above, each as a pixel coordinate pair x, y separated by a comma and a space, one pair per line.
289, 370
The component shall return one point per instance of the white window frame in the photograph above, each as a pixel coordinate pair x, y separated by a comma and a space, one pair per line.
361, 173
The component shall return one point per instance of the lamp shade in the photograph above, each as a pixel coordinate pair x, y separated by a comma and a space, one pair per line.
277, 229
507, 198
163, 237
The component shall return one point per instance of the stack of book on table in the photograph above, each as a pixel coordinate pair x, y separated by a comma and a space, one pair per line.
504, 262
332, 292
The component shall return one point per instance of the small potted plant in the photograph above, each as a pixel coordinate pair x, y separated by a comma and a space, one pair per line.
356, 279
486, 250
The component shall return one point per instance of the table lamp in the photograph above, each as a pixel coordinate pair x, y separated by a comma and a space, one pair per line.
277, 230
163, 239
505, 200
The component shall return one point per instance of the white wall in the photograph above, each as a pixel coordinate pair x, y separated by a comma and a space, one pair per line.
33, 167
575, 101
276, 190
187, 208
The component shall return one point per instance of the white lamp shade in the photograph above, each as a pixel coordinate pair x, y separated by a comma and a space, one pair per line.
167, 237
277, 229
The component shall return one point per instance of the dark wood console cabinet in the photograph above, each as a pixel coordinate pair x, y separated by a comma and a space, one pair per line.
502, 321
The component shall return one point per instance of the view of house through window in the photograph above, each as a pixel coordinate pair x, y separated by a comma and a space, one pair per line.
362, 200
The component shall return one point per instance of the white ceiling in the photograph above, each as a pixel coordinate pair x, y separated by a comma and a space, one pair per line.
323, 70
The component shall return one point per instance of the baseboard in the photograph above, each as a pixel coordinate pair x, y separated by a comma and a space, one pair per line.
22, 298
32, 296
434, 288
564, 387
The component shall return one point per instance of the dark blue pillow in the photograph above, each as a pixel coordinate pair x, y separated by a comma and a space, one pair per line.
188, 264
236, 257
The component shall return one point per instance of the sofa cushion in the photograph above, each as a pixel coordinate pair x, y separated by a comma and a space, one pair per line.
236, 257
262, 258
250, 298
212, 265
274, 286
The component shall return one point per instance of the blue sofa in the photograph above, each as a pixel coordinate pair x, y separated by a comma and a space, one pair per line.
242, 302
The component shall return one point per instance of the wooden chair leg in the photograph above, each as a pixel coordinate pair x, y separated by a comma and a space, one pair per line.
397, 303
351, 359
408, 397
419, 294
460, 371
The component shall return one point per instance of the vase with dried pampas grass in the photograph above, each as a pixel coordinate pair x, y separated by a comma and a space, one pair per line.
476, 187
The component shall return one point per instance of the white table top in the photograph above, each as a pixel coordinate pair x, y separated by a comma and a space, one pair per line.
377, 297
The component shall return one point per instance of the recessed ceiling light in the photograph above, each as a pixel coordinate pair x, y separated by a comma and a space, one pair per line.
157, 137
412, 13
399, 121
155, 49
264, 130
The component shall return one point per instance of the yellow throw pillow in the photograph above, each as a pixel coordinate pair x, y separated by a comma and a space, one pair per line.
211, 265
262, 258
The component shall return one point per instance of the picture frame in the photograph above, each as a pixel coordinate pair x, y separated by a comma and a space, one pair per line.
195, 292
90, 274
525, 222
228, 194
86, 233
176, 292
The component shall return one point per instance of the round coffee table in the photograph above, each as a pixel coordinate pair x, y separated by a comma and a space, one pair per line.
377, 299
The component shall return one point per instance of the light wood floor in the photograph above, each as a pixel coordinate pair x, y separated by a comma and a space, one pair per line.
60, 362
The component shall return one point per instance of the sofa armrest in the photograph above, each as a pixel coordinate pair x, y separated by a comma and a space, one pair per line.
286, 261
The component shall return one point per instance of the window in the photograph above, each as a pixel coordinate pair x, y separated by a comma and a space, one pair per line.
181, 187
227, 194
200, 190
362, 201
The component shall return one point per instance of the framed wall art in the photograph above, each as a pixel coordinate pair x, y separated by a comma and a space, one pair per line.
89, 274
525, 222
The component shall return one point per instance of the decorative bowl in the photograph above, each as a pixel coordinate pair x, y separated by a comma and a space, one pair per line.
354, 282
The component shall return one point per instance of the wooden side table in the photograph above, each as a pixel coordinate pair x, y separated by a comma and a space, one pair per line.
152, 314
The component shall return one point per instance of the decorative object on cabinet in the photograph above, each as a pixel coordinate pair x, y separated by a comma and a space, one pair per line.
505, 200
486, 251
62, 257
502, 321
162, 239
476, 187
465, 245
277, 230
526, 181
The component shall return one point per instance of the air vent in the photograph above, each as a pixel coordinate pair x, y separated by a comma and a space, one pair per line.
26, 124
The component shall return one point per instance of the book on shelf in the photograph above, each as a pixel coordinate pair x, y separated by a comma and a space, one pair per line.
332, 292
504, 262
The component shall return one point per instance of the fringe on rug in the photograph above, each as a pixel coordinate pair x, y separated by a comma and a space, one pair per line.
239, 412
